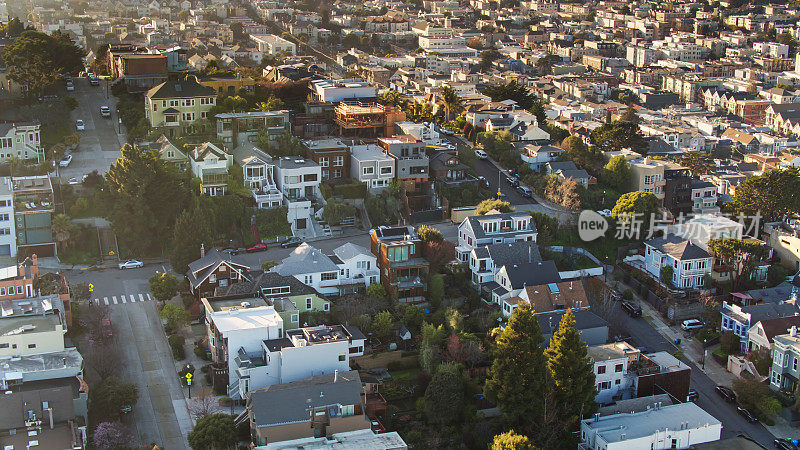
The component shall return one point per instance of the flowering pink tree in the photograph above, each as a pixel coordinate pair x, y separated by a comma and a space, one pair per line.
111, 435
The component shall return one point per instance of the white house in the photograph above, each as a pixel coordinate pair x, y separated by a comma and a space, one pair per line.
21, 140
676, 426
8, 234
273, 45
611, 376
704, 197
334, 91
689, 262
259, 176
496, 228
537, 156
424, 131
298, 180
486, 260
210, 164
350, 268
701, 228
371, 165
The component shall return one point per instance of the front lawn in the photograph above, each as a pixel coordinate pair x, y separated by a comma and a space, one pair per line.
604, 249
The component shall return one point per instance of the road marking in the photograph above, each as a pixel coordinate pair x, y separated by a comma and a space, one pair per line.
122, 297
115, 299
132, 298
141, 297
148, 297
105, 299
96, 301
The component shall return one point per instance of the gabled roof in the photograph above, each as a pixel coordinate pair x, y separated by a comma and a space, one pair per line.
261, 280
525, 274
200, 269
207, 148
677, 247
349, 250
770, 311
777, 294
305, 259
514, 252
180, 89
778, 326
584, 320
474, 222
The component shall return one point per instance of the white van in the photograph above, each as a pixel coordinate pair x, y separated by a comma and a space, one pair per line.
691, 324
481, 154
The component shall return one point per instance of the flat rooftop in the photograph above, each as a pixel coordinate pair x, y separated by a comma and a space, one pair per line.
618, 427
64, 359
614, 350
235, 304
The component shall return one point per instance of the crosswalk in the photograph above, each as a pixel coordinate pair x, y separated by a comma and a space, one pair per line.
122, 299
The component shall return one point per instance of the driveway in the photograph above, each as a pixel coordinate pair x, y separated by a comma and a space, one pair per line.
100, 141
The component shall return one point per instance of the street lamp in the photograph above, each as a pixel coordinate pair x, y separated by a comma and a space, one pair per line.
119, 130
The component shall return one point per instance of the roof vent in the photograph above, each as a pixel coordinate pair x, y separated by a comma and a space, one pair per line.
178, 87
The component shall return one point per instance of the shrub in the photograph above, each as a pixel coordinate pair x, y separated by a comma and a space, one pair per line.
176, 342
627, 294
201, 353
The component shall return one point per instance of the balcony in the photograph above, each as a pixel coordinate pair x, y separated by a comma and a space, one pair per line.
215, 179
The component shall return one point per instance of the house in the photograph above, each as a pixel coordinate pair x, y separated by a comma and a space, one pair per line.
548, 297
612, 363
228, 85
689, 262
784, 373
701, 228
567, 170
761, 336
21, 140
174, 107
298, 180
739, 319
214, 269
594, 330
704, 197
512, 279
335, 91
8, 235
371, 165
784, 239
350, 268
673, 426
141, 71
258, 173
332, 155
538, 156
210, 164
285, 293
499, 228
424, 131
33, 209
403, 270
412, 169
170, 153
318, 406
348, 439
364, 119
236, 129
447, 168
272, 45
486, 260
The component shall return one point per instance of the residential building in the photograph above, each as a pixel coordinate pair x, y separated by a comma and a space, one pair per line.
424, 131
8, 234
174, 107
318, 406
358, 119
272, 45
485, 260
704, 197
335, 91
690, 263
537, 156
701, 228
228, 85
371, 165
21, 140
447, 168
412, 168
170, 153
512, 279
493, 228
33, 325
236, 129
593, 329
332, 155
403, 270
210, 164
686, 424
141, 71
761, 336
350, 268
784, 240
17, 282
259, 176
677, 189
647, 175
550, 294
784, 373
567, 170
298, 180
214, 269
33, 214
348, 439
612, 364
739, 319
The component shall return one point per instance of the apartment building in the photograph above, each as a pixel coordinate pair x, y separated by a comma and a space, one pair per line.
499, 228
141, 71
33, 212
412, 168
784, 239
335, 91
174, 107
486, 260
704, 197
237, 129
272, 45
332, 155
349, 269
739, 319
298, 180
647, 175
371, 165
784, 372
687, 86
357, 119
21, 140
403, 270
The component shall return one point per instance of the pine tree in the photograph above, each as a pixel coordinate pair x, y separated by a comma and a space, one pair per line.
517, 380
570, 372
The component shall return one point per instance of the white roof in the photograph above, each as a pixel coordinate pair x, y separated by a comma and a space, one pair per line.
242, 319
621, 427
349, 250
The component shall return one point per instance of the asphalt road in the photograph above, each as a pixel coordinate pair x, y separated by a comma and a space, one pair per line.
100, 141
643, 334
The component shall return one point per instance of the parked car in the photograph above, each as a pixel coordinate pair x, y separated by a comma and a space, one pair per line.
70, 86
291, 242
604, 212
231, 251
483, 181
691, 324
125, 409
632, 309
513, 181
65, 162
784, 444
131, 264
481, 154
744, 412
73, 180
726, 393
105, 111
693, 396
525, 191
94, 81
106, 327
79, 125
260, 247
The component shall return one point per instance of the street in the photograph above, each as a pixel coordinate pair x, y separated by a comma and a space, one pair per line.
100, 141
160, 415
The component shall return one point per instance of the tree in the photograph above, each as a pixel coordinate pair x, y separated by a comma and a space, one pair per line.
183, 15
546, 227
629, 116
102, 357
212, 432
63, 230
444, 397
564, 192
512, 91
336, 210
143, 196
413, 316
164, 286
698, 163
376, 290
571, 373
488, 57
517, 381
272, 103
581, 154
452, 102
191, 231
636, 206
432, 335
429, 234
109, 396
511, 441
13, 28
382, 325
175, 316
730, 343
740, 255
436, 289
773, 194
204, 403
489, 204
112, 435
666, 274
617, 172
618, 135
37, 60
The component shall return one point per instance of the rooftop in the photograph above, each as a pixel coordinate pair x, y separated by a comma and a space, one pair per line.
620, 427
614, 350
360, 439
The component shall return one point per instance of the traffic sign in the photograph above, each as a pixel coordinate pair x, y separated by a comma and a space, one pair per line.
188, 376
91, 287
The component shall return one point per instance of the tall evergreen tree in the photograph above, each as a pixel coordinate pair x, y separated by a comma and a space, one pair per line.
571, 373
517, 380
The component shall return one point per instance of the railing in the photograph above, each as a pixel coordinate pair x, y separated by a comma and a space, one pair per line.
215, 178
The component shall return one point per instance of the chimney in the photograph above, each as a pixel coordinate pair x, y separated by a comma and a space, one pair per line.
202, 250
793, 331
336, 375
50, 413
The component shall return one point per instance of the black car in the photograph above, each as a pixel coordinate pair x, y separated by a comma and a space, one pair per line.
632, 309
291, 242
726, 393
747, 414
693, 396
784, 444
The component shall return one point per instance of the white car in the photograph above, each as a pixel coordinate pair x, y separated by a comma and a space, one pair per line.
70, 86
130, 264
73, 180
65, 162
79, 125
691, 324
481, 154
604, 212
105, 111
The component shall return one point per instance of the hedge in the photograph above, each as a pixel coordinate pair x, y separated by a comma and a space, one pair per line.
176, 342
351, 190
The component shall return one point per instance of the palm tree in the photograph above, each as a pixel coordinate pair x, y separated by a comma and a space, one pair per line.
452, 102
62, 229
271, 104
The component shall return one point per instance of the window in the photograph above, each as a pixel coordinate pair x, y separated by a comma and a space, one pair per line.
616, 382
601, 370
338, 161
326, 307
308, 279
327, 276
618, 368
386, 170
323, 161
309, 304
31, 345
187, 117
337, 173
295, 317
369, 170
19, 289
342, 357
4, 345
794, 364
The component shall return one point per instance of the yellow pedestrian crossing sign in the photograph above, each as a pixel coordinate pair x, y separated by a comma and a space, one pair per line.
91, 287
188, 376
